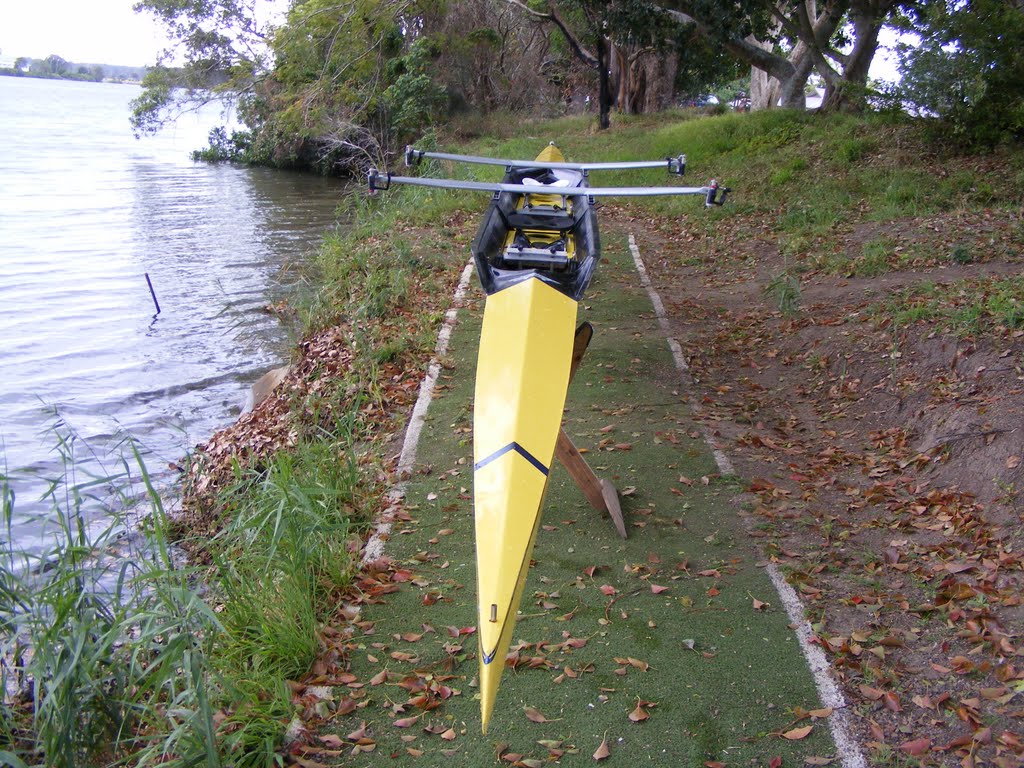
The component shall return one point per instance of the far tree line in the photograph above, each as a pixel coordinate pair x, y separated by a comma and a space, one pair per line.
57, 68
339, 85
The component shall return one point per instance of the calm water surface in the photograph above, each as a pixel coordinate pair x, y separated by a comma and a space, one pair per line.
86, 211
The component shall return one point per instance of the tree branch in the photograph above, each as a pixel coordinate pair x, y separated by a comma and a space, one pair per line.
552, 17
775, 65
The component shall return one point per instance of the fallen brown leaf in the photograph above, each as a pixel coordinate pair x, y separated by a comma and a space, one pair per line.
798, 733
534, 716
916, 747
639, 714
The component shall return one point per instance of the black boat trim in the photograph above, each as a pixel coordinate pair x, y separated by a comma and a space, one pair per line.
513, 446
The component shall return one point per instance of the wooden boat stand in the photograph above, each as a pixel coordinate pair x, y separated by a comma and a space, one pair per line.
599, 492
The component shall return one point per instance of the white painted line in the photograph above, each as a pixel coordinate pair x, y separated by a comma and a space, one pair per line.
847, 748
374, 548
839, 721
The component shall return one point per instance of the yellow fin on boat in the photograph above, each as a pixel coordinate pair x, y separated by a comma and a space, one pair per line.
551, 154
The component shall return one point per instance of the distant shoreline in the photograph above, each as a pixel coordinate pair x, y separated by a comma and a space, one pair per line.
75, 78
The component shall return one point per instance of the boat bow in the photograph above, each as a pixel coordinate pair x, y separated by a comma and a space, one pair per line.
522, 377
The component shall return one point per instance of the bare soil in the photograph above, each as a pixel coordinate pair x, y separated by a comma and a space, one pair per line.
884, 467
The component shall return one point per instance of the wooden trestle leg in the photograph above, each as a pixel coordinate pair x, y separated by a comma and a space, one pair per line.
599, 492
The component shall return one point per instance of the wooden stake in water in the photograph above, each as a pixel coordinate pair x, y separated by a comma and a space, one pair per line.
152, 293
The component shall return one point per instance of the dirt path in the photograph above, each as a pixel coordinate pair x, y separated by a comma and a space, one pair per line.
885, 471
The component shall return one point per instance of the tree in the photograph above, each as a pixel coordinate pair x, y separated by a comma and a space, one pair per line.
55, 65
491, 55
22, 64
845, 72
788, 39
968, 68
332, 88
344, 73
223, 49
630, 43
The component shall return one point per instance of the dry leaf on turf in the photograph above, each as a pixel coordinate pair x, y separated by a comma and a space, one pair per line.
534, 715
798, 733
639, 714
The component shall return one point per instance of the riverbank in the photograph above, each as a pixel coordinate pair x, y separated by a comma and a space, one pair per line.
852, 327
75, 77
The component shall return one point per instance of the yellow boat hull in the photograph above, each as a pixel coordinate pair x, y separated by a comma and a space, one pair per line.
522, 376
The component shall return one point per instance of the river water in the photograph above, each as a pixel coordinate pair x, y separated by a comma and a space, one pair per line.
86, 212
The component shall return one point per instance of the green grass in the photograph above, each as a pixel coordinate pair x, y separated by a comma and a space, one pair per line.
963, 307
875, 259
282, 559
784, 291
122, 658
961, 254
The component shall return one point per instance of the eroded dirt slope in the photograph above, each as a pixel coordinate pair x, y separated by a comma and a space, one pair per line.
884, 464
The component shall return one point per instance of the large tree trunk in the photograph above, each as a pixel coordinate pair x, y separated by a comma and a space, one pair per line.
846, 79
764, 90
792, 94
768, 92
659, 72
642, 78
618, 65
847, 92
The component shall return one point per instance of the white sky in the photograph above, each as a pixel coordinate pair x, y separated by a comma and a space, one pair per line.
94, 32
885, 65
84, 31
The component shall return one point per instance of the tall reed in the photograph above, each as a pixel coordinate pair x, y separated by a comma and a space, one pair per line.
97, 649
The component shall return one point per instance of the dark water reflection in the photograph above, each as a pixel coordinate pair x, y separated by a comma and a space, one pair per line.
86, 211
